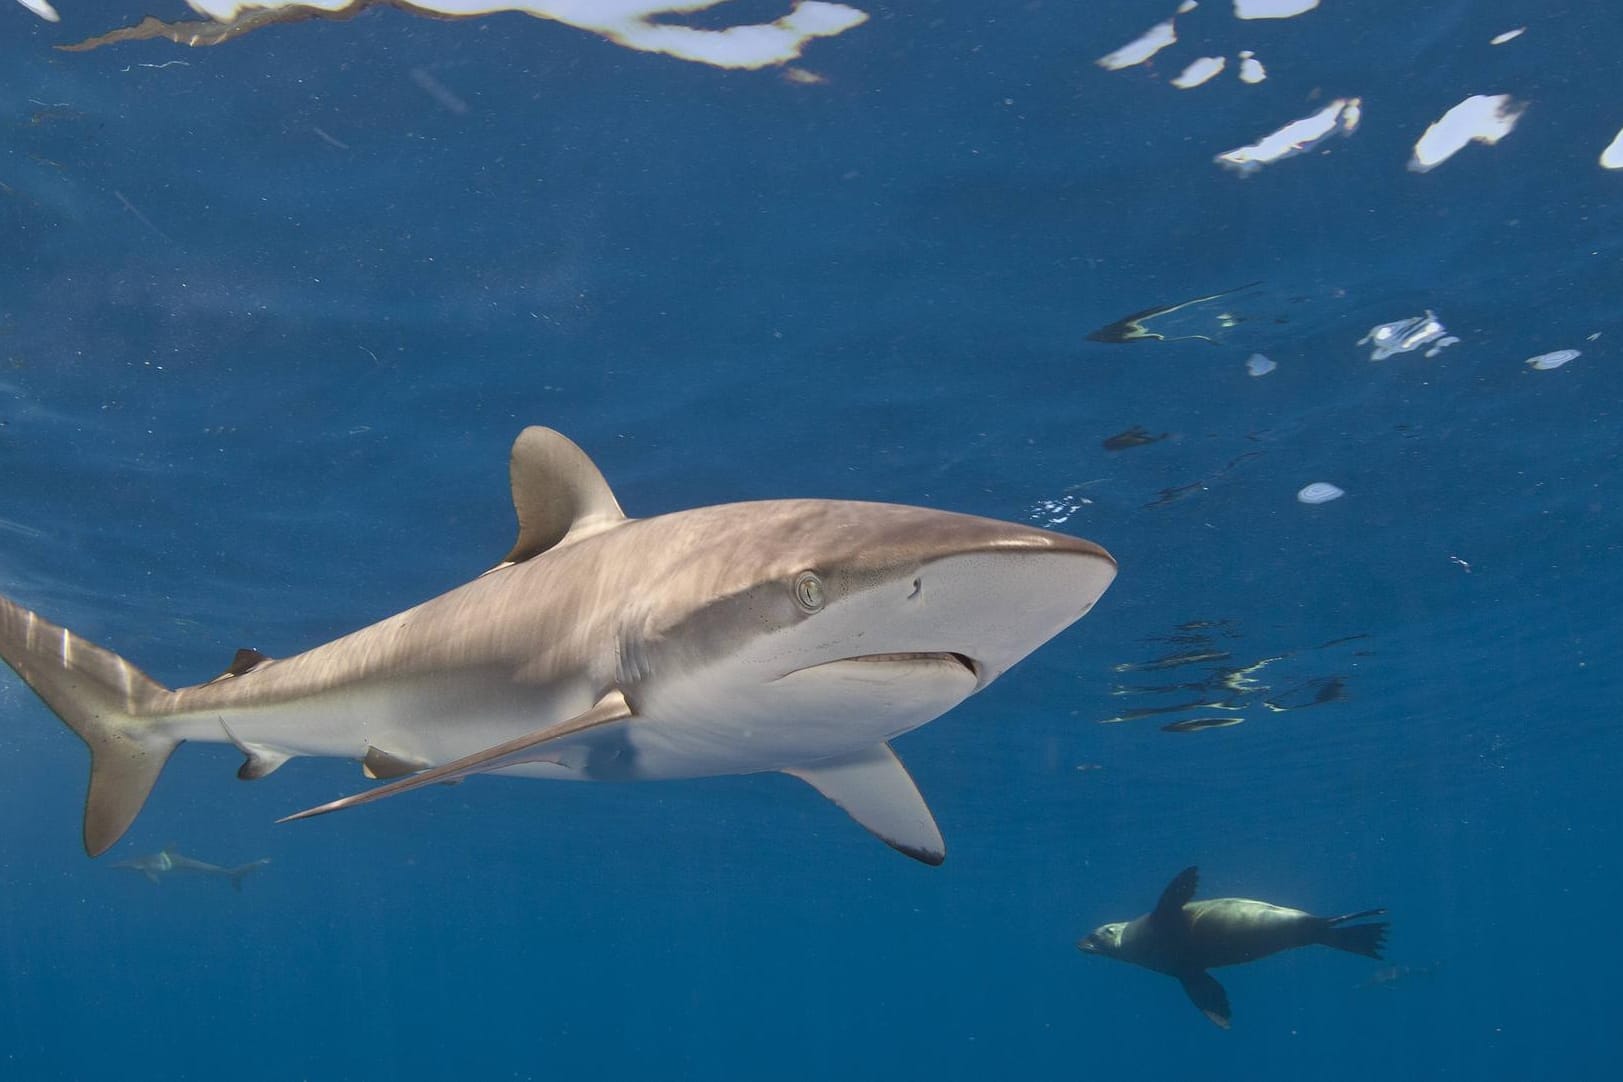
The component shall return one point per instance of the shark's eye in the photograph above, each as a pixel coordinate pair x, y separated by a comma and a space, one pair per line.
809, 592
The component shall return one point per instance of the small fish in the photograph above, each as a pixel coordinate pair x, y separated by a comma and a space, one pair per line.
1137, 436
1195, 725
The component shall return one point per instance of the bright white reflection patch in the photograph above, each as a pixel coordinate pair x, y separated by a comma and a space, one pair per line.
1298, 137
1544, 362
41, 8
1404, 335
1612, 156
1508, 35
1140, 49
1319, 492
635, 24
1258, 365
1199, 72
1481, 118
1272, 9
1251, 69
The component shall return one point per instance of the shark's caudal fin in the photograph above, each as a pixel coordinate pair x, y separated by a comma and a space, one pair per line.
101, 697
242, 871
1365, 939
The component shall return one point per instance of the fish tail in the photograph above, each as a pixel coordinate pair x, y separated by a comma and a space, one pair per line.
241, 872
1365, 939
105, 700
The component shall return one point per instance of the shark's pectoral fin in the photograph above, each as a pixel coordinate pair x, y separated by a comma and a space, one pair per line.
529, 748
258, 760
1205, 993
379, 764
874, 788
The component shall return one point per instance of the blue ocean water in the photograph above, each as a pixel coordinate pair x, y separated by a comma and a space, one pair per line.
272, 312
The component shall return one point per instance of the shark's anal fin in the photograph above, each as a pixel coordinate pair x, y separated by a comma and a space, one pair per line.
258, 760
874, 788
1205, 993
379, 764
530, 748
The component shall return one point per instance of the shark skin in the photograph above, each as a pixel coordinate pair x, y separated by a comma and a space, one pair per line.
168, 861
797, 636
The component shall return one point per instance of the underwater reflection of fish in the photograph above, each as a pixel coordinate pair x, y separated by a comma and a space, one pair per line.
1184, 938
168, 861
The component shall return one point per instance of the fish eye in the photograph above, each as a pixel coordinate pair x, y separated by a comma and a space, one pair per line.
809, 592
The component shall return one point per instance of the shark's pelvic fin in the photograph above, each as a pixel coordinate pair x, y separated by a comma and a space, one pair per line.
558, 494
101, 697
529, 748
875, 789
379, 764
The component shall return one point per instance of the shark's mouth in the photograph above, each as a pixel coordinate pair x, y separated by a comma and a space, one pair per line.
925, 656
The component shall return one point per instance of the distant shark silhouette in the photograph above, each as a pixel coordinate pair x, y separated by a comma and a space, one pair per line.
789, 635
168, 861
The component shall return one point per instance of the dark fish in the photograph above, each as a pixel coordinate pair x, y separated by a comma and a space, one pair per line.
1195, 725
1137, 436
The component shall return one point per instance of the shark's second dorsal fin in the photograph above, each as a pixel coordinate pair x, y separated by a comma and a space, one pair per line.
558, 494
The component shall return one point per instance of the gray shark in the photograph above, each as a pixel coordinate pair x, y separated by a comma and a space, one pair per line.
798, 636
168, 861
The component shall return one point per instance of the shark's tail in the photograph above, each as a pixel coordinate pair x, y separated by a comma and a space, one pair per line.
103, 698
241, 872
1365, 939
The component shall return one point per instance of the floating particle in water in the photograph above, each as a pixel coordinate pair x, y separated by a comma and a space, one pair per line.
1195, 725
1199, 71
1319, 492
1403, 335
1544, 362
1340, 117
1508, 35
1251, 69
1481, 118
1137, 436
1272, 9
1258, 365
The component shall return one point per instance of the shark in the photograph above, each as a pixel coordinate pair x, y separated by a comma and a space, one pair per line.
169, 860
798, 636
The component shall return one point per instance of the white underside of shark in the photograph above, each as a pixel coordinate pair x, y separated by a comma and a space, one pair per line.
795, 635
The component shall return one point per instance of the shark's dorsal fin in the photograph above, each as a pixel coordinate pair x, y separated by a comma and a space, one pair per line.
558, 493
875, 789
245, 661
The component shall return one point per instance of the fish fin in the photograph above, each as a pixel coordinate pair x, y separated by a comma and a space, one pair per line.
875, 789
380, 764
242, 871
152, 876
558, 494
106, 701
1205, 993
245, 661
258, 760
609, 709
1177, 895
1365, 939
